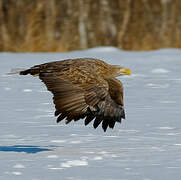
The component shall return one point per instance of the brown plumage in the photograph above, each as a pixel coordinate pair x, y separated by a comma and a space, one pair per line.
84, 88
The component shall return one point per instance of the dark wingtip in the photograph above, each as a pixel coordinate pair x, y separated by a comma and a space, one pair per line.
105, 124
57, 112
61, 117
112, 123
97, 121
89, 118
123, 114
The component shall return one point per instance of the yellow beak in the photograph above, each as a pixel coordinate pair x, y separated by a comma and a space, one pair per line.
125, 71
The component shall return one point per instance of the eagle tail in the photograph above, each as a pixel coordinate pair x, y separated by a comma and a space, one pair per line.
15, 71
34, 71
25, 72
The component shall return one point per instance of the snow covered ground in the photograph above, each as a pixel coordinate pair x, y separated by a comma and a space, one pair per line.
146, 146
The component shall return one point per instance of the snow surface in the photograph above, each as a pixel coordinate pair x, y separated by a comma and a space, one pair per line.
146, 146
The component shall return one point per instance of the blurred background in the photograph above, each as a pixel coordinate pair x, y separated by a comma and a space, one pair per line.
65, 25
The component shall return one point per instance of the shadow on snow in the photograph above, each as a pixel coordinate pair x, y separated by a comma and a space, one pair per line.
24, 148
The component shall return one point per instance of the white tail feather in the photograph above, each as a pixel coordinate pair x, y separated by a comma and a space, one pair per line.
15, 71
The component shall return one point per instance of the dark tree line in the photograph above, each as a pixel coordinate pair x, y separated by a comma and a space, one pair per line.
62, 25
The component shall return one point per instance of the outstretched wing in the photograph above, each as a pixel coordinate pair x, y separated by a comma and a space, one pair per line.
76, 98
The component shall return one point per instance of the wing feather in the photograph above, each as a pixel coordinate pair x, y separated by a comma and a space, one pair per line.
68, 98
82, 94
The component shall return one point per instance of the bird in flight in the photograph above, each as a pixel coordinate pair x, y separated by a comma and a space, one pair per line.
84, 88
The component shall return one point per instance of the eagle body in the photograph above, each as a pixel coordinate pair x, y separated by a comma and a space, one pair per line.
84, 88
